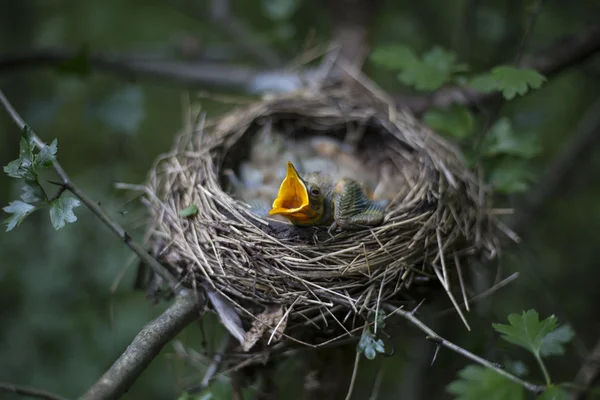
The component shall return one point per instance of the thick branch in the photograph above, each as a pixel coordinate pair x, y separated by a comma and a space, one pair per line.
562, 55
144, 348
28, 392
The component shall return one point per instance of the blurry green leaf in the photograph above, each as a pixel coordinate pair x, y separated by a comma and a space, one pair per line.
518, 368
61, 211
32, 193
78, 65
510, 176
19, 210
124, 110
280, 9
510, 80
554, 341
526, 330
554, 393
380, 323
436, 68
456, 120
394, 57
13, 169
189, 211
46, 157
502, 139
477, 383
369, 346
26, 147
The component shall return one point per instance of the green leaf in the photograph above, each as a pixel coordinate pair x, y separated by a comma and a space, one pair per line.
61, 211
13, 169
46, 157
436, 67
510, 80
526, 330
476, 383
456, 121
32, 193
502, 139
369, 346
510, 176
380, 323
394, 57
554, 341
26, 147
280, 10
19, 210
554, 393
189, 211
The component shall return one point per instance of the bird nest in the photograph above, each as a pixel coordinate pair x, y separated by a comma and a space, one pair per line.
269, 280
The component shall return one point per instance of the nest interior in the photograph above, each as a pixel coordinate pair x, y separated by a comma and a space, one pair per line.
324, 286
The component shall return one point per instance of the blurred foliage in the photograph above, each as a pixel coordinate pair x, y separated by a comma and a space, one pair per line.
62, 313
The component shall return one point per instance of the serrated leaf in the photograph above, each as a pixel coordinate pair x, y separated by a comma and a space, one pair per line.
46, 157
509, 80
369, 346
510, 176
456, 121
554, 341
189, 211
554, 393
26, 147
61, 211
13, 169
526, 330
502, 139
476, 383
394, 57
32, 193
19, 210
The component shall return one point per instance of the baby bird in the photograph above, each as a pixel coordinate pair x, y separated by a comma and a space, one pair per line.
319, 200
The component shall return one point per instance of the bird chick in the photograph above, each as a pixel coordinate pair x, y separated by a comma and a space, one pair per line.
319, 200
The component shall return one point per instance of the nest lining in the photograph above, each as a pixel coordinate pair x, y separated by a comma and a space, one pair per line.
323, 282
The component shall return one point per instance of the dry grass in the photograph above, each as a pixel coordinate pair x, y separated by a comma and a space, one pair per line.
325, 286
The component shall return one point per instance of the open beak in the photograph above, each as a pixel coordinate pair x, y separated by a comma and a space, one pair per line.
292, 200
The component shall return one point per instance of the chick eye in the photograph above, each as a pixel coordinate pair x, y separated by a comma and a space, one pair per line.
315, 191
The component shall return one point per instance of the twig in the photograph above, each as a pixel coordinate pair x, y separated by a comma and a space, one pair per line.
588, 373
92, 205
29, 392
434, 337
354, 373
144, 348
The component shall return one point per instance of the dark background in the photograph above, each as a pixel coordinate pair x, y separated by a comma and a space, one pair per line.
63, 318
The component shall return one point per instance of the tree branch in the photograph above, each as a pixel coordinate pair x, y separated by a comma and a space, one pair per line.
588, 373
562, 55
29, 392
144, 348
92, 205
440, 341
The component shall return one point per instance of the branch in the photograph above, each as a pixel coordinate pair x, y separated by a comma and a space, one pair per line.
562, 55
440, 341
190, 74
144, 348
92, 205
29, 392
588, 373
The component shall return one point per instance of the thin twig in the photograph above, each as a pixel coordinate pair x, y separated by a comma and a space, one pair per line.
92, 205
588, 373
354, 373
144, 348
431, 335
29, 392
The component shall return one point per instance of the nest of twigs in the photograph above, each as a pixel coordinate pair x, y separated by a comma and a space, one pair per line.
305, 284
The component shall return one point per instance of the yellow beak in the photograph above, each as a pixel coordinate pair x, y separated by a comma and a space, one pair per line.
292, 200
